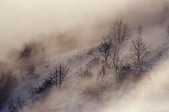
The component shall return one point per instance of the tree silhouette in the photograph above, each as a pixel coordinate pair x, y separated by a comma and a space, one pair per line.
117, 63
105, 47
138, 49
119, 31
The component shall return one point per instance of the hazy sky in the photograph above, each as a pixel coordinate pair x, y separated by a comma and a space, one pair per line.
21, 20
24, 19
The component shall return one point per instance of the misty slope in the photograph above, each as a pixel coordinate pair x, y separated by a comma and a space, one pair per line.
77, 56
82, 94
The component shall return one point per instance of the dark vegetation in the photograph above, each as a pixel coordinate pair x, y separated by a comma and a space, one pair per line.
111, 45
119, 31
55, 78
32, 54
139, 50
15, 104
105, 47
7, 82
30, 50
117, 63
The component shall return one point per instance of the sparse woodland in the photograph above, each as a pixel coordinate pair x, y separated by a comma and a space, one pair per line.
105, 69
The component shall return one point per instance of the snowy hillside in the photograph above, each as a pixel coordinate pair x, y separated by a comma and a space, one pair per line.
90, 82
84, 56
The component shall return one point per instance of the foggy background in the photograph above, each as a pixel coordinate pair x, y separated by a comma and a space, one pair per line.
85, 21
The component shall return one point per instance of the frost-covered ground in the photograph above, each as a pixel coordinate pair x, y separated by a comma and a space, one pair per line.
80, 91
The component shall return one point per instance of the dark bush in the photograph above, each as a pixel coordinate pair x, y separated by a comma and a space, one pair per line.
7, 83
26, 52
32, 53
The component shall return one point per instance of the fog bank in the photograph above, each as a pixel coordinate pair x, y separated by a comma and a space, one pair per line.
24, 20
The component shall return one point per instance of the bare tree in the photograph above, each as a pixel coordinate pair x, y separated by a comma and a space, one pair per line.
53, 76
105, 47
63, 70
56, 77
138, 49
119, 31
117, 63
58, 74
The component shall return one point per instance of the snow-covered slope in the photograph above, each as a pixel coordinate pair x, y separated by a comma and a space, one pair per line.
80, 91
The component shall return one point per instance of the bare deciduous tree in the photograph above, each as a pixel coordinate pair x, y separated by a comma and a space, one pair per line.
53, 77
63, 70
56, 77
58, 74
117, 63
105, 47
138, 49
119, 31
